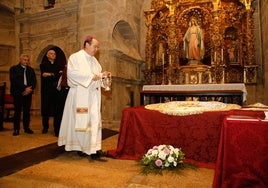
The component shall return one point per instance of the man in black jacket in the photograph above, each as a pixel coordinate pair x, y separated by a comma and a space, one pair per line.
23, 82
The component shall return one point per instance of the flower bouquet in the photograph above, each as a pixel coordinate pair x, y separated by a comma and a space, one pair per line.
162, 157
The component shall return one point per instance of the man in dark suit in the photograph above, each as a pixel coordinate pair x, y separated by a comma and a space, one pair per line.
23, 82
50, 74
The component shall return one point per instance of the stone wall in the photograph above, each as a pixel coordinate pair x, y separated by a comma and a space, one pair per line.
254, 89
7, 39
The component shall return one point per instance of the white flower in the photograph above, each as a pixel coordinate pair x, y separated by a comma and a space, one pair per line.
166, 164
171, 159
162, 155
171, 148
160, 147
149, 151
154, 152
176, 151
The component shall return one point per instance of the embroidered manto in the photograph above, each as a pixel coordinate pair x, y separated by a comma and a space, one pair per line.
82, 110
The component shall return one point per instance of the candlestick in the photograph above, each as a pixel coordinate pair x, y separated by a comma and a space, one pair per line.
222, 55
170, 59
211, 58
163, 76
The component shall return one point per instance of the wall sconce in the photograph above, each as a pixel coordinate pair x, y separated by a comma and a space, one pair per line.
49, 4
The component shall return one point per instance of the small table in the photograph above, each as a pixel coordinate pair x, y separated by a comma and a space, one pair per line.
242, 159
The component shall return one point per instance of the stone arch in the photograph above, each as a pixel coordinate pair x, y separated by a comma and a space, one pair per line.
125, 31
124, 39
123, 19
60, 56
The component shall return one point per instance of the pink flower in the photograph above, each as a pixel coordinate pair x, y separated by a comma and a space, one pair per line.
166, 151
158, 162
155, 147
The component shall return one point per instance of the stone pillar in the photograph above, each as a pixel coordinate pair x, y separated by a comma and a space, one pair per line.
149, 15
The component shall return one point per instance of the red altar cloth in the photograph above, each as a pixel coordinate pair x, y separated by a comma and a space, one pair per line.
197, 135
243, 154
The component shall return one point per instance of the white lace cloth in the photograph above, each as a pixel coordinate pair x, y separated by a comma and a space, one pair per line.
183, 108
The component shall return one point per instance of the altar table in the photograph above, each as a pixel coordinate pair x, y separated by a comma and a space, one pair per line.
243, 154
197, 135
227, 93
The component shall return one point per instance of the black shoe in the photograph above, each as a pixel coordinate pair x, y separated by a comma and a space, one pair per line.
44, 131
101, 153
28, 131
82, 154
16, 133
97, 157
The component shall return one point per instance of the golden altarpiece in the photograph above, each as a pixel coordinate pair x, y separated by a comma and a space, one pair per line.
225, 45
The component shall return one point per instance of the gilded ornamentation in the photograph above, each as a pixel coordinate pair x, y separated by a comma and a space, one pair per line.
215, 4
171, 5
247, 3
226, 28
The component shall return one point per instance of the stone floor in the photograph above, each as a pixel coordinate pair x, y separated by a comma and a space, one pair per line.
70, 170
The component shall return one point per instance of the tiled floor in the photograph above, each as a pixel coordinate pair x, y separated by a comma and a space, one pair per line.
10, 144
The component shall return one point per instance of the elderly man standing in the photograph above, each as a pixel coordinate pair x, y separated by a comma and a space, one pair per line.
81, 124
23, 82
50, 74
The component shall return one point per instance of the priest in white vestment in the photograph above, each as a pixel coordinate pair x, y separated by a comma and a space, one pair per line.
81, 122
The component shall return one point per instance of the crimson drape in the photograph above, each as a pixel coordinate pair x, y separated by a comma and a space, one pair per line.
197, 135
243, 155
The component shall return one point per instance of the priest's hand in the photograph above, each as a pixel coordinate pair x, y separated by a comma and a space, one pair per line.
101, 75
106, 73
96, 77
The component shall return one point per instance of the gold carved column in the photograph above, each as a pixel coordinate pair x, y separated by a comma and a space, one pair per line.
217, 43
249, 31
172, 40
250, 68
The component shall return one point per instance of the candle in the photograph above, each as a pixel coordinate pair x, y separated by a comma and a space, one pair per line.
211, 58
222, 55
215, 56
163, 58
170, 59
